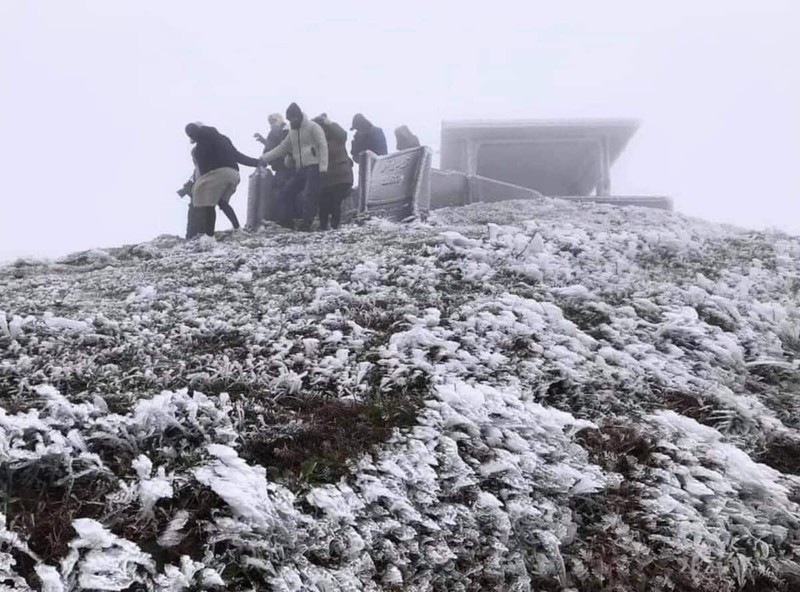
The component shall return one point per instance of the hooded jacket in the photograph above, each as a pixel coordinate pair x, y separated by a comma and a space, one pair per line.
340, 167
368, 137
405, 139
214, 150
307, 145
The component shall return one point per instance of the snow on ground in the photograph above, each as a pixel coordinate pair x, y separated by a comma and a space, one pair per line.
527, 395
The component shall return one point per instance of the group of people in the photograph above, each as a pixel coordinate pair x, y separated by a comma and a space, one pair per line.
313, 172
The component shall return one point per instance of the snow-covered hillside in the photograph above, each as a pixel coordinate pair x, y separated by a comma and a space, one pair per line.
518, 396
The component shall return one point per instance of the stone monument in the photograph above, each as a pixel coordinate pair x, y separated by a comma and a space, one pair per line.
261, 200
396, 186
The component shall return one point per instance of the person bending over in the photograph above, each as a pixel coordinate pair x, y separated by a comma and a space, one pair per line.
217, 176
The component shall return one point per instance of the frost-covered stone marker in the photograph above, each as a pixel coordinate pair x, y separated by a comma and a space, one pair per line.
396, 186
261, 203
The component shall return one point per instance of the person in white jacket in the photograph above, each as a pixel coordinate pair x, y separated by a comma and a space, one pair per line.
309, 149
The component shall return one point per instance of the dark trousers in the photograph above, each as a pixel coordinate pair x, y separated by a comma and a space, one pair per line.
330, 205
301, 194
282, 211
201, 221
227, 209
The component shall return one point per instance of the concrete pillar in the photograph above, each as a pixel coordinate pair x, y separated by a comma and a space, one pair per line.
471, 149
604, 182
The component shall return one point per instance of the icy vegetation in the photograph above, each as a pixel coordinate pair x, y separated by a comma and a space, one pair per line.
517, 396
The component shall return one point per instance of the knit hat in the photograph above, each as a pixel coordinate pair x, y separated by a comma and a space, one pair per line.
275, 117
293, 111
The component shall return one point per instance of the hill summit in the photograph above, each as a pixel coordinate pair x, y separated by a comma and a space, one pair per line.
514, 396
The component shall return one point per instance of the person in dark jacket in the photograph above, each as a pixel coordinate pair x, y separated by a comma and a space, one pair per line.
338, 183
405, 139
281, 167
278, 130
367, 137
217, 176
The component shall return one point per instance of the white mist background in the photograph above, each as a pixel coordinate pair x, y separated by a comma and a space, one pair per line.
95, 95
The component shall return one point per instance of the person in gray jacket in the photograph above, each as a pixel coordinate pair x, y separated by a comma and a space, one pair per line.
307, 145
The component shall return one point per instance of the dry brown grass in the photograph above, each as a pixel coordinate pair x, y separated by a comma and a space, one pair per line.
331, 433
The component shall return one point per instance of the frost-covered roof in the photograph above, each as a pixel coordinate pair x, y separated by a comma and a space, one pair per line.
618, 131
555, 157
589, 124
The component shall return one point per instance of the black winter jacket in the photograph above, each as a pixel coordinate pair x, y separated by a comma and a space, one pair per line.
214, 150
372, 139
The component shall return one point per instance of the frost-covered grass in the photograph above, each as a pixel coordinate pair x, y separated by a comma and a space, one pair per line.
517, 396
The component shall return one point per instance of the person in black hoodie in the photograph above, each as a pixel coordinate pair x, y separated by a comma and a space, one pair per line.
367, 137
217, 169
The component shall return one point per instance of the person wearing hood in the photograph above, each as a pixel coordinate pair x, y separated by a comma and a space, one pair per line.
405, 139
308, 148
338, 183
217, 163
367, 137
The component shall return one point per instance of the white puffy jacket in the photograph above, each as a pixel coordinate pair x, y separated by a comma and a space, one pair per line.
307, 146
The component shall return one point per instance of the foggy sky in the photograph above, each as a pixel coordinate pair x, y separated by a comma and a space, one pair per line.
95, 95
